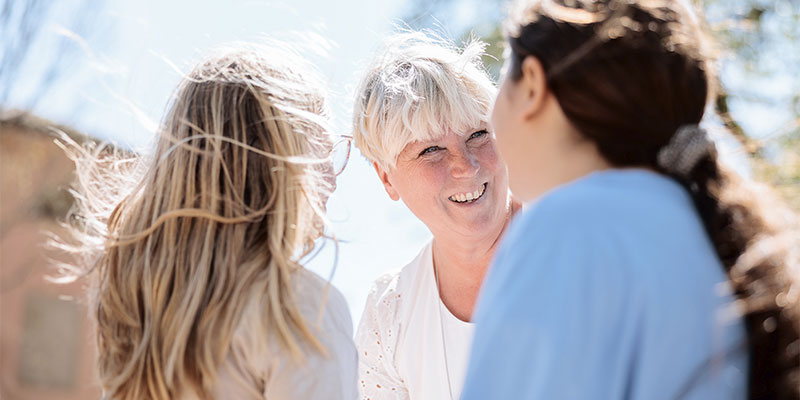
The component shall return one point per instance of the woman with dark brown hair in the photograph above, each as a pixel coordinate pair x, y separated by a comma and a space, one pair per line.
645, 269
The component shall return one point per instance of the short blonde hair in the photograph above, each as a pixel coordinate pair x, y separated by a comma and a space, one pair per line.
418, 88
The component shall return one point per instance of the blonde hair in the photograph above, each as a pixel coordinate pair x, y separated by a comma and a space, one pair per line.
417, 89
218, 217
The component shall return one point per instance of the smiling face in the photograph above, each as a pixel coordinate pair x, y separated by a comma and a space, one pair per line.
456, 185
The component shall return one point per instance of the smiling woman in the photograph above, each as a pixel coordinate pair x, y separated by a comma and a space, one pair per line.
436, 154
421, 117
443, 182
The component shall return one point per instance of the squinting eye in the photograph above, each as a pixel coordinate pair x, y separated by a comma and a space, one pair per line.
478, 134
430, 150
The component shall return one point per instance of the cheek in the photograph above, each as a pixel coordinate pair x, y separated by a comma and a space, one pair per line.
496, 119
491, 161
501, 123
489, 156
422, 182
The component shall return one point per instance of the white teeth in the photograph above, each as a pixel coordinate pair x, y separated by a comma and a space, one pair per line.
467, 197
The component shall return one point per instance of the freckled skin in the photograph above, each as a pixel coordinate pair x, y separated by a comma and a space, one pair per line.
428, 173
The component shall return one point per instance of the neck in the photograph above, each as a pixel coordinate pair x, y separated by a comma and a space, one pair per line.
461, 265
464, 258
550, 152
582, 159
569, 158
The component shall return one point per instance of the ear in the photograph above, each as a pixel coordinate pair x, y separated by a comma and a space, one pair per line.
533, 85
384, 177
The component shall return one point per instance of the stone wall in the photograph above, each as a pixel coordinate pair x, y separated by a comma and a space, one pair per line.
46, 343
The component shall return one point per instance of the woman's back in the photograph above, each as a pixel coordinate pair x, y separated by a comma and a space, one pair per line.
198, 246
620, 263
596, 85
259, 367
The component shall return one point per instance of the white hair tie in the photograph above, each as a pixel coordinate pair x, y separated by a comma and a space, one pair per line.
688, 145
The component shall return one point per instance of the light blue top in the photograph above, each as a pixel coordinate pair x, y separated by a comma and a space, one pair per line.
608, 288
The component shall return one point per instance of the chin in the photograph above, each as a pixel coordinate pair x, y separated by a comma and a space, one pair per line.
489, 219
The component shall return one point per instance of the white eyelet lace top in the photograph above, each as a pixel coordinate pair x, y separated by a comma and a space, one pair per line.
399, 338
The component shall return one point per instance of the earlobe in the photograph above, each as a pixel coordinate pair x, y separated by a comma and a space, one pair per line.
387, 185
534, 84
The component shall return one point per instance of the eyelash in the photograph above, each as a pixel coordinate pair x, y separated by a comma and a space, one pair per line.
432, 149
478, 134
429, 150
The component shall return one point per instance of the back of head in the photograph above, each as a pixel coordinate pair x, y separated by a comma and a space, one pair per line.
250, 125
419, 87
230, 200
629, 75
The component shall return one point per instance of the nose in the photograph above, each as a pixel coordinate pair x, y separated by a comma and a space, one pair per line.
464, 164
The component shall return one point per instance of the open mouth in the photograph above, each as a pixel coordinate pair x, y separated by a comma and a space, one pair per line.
464, 198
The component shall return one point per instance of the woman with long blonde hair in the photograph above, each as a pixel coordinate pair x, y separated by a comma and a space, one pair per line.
197, 286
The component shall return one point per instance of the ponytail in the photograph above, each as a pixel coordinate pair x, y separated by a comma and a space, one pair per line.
758, 242
634, 77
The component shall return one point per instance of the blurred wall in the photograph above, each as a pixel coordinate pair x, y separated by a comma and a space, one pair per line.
46, 344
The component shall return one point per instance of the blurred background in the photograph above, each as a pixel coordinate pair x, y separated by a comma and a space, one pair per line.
103, 70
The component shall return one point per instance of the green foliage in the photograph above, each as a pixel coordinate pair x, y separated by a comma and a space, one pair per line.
758, 44
759, 68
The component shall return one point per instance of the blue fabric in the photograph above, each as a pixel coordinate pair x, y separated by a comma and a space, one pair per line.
607, 288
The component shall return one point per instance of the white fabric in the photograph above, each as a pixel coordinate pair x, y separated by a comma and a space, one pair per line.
400, 344
259, 367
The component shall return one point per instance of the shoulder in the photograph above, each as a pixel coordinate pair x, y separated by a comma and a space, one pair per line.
598, 231
607, 198
313, 286
329, 373
380, 317
384, 299
318, 300
384, 288
389, 300
574, 229
257, 349
388, 290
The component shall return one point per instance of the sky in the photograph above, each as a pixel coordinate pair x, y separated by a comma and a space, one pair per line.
124, 79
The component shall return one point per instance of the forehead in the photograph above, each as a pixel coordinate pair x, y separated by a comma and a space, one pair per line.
432, 119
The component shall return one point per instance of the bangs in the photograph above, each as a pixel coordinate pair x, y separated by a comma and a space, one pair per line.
449, 108
417, 91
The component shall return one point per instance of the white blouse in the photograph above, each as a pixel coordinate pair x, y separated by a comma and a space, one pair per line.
404, 334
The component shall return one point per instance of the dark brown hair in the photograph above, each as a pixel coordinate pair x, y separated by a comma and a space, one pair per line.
628, 74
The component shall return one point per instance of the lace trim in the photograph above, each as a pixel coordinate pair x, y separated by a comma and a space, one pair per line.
377, 342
